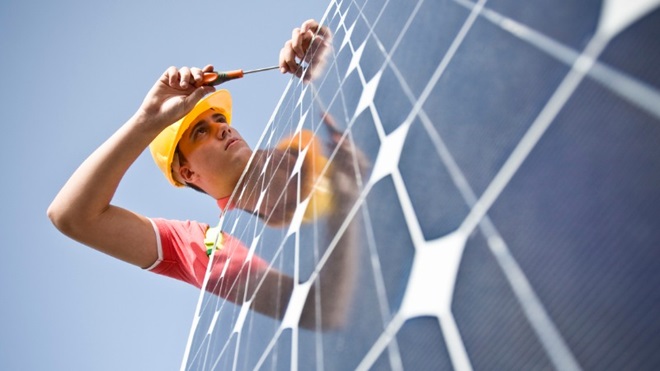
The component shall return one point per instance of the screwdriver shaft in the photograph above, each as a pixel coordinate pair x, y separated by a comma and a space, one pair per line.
261, 69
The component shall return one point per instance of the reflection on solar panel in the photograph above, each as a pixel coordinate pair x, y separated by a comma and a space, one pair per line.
477, 186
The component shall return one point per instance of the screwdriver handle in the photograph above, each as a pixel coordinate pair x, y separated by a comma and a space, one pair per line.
218, 77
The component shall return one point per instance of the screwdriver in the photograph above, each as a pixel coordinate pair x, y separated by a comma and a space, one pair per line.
218, 77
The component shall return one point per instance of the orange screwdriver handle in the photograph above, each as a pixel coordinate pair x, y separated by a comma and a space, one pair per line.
217, 78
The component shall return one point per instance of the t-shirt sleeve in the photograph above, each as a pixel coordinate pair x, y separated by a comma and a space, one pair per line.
181, 251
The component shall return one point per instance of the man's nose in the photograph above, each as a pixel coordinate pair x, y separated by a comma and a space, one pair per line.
223, 130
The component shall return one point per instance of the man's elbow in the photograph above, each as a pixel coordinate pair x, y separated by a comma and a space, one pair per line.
57, 216
63, 218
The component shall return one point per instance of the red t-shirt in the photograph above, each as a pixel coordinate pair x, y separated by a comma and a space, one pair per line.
182, 255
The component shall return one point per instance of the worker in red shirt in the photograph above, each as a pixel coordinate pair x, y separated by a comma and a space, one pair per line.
188, 127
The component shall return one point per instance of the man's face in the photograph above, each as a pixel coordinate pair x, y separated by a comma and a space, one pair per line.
215, 154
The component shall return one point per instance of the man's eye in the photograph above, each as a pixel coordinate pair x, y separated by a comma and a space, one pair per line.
200, 131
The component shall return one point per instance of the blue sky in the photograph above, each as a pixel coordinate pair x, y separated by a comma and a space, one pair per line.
73, 72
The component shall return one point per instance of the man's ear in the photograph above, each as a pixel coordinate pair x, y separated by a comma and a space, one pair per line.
187, 174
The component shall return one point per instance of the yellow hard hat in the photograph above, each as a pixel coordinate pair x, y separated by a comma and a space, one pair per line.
163, 148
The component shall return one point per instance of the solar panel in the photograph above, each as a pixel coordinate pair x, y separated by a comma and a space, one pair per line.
480, 191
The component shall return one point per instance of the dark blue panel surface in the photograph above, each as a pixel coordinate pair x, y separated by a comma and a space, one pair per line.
472, 177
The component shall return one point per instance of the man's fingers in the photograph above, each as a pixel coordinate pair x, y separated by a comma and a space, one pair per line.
308, 25
297, 39
315, 49
185, 77
170, 76
197, 76
288, 58
315, 28
324, 32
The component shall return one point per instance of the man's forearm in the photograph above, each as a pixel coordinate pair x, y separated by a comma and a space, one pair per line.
90, 189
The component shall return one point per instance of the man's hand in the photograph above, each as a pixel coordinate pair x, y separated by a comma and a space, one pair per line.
310, 43
174, 94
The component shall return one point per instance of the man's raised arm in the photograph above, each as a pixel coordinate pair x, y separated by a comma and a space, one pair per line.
82, 208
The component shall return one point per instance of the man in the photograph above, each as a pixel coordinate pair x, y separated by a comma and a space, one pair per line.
202, 150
